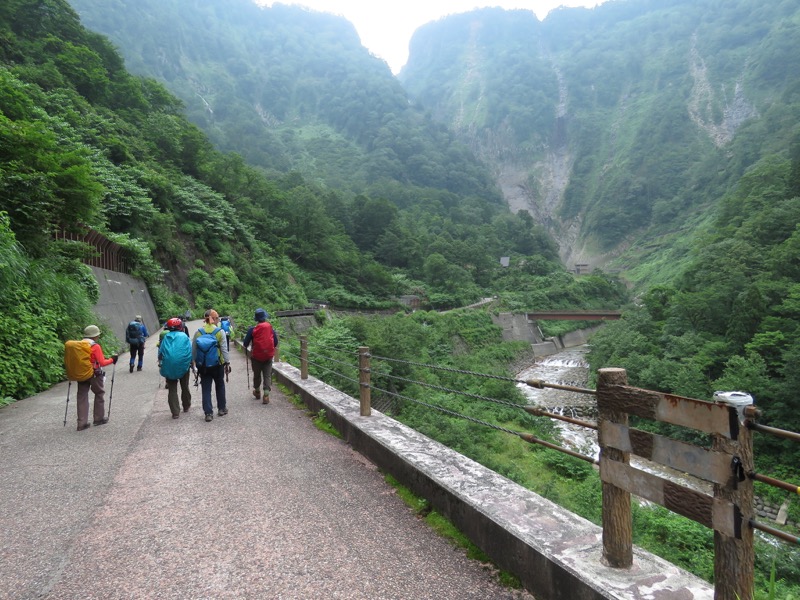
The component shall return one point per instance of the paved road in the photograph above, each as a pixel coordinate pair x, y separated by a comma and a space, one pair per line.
256, 504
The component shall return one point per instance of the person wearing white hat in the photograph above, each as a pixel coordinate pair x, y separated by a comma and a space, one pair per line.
95, 383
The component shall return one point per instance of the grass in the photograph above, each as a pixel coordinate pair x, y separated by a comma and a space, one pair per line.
320, 419
442, 526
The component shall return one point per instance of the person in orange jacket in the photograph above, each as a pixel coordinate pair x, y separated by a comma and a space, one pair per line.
95, 383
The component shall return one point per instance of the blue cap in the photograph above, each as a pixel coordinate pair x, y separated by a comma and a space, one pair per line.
261, 314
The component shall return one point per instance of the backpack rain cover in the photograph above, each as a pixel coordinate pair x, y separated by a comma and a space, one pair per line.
176, 355
78, 360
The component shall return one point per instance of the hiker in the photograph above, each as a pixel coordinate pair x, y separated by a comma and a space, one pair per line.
84, 361
187, 316
175, 362
264, 340
227, 327
135, 336
210, 356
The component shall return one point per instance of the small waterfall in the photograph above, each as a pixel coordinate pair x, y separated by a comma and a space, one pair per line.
565, 368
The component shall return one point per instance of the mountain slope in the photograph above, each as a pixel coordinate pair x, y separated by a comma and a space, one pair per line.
617, 127
289, 89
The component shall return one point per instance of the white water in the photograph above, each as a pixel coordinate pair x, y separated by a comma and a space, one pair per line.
565, 368
570, 368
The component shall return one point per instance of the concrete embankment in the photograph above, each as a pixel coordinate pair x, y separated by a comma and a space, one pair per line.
122, 297
518, 328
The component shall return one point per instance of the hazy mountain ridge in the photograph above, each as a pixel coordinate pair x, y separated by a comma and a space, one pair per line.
632, 107
617, 128
289, 89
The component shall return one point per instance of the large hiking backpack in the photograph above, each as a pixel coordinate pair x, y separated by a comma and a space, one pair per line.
133, 334
176, 354
207, 349
263, 342
226, 325
78, 360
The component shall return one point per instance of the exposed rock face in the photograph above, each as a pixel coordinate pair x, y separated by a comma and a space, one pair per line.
735, 107
535, 179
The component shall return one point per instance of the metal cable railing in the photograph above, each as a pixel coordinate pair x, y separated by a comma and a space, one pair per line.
365, 385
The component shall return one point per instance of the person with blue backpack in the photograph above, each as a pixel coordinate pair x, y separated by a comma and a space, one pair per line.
175, 363
227, 326
135, 336
210, 356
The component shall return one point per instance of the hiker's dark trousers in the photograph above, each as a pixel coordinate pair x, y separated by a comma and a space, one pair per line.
172, 394
137, 349
213, 375
262, 369
95, 384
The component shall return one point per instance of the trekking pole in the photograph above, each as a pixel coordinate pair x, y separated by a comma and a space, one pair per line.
69, 387
111, 393
247, 366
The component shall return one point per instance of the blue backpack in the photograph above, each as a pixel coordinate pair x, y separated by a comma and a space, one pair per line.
207, 349
226, 325
133, 334
176, 354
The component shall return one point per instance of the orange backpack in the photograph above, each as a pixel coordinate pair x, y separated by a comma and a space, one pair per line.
78, 360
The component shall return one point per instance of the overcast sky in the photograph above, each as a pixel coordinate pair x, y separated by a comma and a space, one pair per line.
386, 26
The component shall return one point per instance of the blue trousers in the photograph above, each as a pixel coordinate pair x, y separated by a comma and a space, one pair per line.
137, 349
213, 375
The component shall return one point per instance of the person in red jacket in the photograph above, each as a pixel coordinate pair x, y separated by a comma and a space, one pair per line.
264, 340
95, 383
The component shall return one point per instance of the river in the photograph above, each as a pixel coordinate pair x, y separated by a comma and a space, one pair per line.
568, 367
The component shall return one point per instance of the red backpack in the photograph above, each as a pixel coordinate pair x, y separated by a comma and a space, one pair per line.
263, 342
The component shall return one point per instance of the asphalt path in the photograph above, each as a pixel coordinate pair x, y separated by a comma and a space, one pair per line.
255, 504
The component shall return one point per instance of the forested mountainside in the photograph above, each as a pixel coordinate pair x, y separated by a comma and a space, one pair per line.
621, 126
291, 89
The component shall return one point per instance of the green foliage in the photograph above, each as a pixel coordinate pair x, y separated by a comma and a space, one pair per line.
38, 310
322, 423
688, 544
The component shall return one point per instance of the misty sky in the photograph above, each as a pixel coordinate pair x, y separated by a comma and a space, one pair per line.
386, 27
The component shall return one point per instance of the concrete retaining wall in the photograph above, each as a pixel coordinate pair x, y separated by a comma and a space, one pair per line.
122, 297
556, 554
517, 327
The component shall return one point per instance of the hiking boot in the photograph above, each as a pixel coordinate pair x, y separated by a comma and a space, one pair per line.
266, 399
222, 412
138, 368
186, 408
176, 416
209, 418
131, 368
100, 422
84, 426
256, 393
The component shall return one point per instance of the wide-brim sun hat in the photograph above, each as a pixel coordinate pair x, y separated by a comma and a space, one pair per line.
91, 331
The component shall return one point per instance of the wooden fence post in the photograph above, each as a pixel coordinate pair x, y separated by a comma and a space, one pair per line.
617, 516
734, 557
364, 380
303, 357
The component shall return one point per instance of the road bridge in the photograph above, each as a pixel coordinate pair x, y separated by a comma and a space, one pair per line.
574, 315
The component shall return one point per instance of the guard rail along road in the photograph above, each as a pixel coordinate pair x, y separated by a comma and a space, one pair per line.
556, 554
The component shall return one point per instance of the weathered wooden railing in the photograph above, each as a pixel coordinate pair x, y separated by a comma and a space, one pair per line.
730, 509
